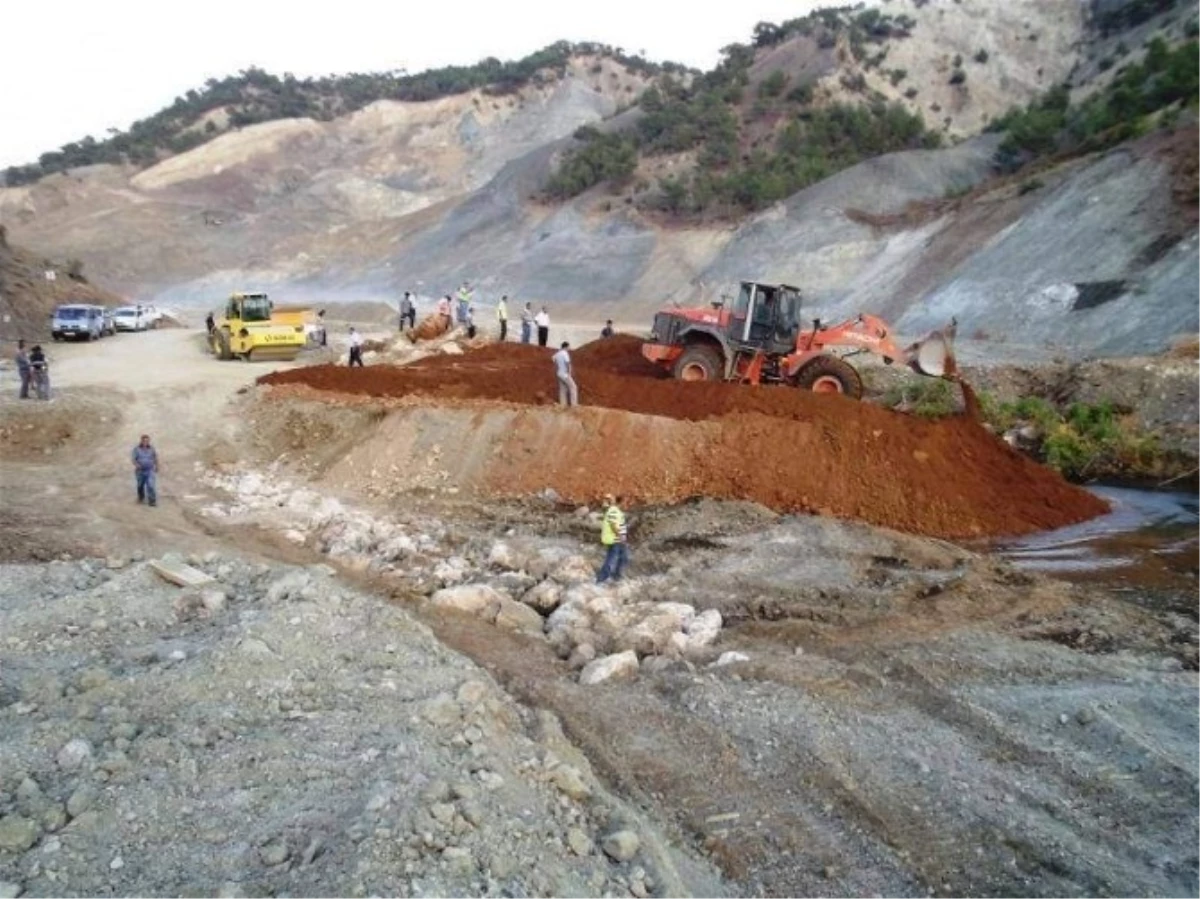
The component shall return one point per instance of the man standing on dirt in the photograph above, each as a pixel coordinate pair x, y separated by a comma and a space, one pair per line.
210, 324
24, 371
502, 317
39, 372
408, 311
542, 320
526, 323
464, 302
613, 537
356, 343
608, 329
568, 392
145, 468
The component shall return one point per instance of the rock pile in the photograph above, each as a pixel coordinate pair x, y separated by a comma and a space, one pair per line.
541, 588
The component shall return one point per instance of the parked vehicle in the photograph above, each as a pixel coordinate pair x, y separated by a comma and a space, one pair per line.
108, 327
130, 318
78, 321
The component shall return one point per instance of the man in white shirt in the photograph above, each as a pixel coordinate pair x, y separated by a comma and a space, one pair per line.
356, 342
568, 392
542, 320
502, 317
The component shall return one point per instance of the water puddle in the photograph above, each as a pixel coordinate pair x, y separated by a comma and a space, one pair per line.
1148, 540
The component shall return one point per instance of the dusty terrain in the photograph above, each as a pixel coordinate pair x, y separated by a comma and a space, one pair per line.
380, 690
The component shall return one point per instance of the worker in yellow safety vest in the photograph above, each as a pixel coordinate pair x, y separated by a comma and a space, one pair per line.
613, 537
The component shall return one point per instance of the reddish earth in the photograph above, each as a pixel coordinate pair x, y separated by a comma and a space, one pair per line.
788, 449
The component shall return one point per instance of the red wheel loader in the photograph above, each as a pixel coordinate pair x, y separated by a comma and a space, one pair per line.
761, 339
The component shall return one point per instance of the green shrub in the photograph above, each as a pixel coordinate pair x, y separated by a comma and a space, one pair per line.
773, 84
603, 157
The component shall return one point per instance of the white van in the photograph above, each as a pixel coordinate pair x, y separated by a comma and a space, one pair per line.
77, 320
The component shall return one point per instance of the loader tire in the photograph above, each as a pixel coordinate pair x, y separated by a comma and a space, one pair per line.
828, 374
699, 363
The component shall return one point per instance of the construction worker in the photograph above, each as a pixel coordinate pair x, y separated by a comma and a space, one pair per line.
210, 324
24, 371
470, 322
526, 323
145, 469
356, 342
608, 329
39, 372
614, 539
408, 311
464, 303
568, 392
443, 307
542, 320
502, 317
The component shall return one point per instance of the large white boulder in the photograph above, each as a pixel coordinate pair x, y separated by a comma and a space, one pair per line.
516, 616
478, 600
619, 666
545, 597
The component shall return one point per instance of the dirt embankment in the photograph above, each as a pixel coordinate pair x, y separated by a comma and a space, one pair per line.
27, 298
791, 450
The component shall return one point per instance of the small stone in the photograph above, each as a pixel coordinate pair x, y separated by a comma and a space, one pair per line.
568, 779
472, 812
435, 791
117, 863
638, 888
579, 842
1085, 715
214, 601
18, 833
252, 646
115, 563
72, 756
274, 853
471, 692
311, 851
459, 859
442, 811
442, 710
81, 801
621, 845
10, 890
1063, 719
462, 790
731, 657
581, 655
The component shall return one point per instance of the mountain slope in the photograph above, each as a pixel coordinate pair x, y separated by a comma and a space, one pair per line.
404, 195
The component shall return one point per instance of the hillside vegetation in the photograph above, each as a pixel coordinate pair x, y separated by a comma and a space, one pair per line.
753, 141
1141, 96
254, 96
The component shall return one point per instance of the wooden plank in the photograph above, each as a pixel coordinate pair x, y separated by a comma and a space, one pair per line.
179, 574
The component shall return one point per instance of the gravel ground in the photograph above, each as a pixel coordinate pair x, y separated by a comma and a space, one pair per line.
277, 732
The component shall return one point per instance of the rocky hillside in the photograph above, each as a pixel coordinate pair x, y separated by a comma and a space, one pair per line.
1037, 239
28, 297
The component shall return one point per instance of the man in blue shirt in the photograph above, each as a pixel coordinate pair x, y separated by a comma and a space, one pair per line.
145, 467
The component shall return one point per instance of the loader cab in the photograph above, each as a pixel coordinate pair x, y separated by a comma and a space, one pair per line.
249, 307
766, 317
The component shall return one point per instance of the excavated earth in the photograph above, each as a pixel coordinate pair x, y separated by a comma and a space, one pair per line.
790, 450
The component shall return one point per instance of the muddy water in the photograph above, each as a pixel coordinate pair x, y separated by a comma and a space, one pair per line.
1148, 540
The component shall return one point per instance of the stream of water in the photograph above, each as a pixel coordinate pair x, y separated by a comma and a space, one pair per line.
1150, 539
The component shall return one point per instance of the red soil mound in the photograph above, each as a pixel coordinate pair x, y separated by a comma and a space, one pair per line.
788, 449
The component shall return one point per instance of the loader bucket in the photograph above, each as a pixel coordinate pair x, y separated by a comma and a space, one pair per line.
933, 355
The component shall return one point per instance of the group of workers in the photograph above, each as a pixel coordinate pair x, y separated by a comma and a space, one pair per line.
33, 370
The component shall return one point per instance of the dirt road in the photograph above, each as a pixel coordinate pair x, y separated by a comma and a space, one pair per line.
909, 719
